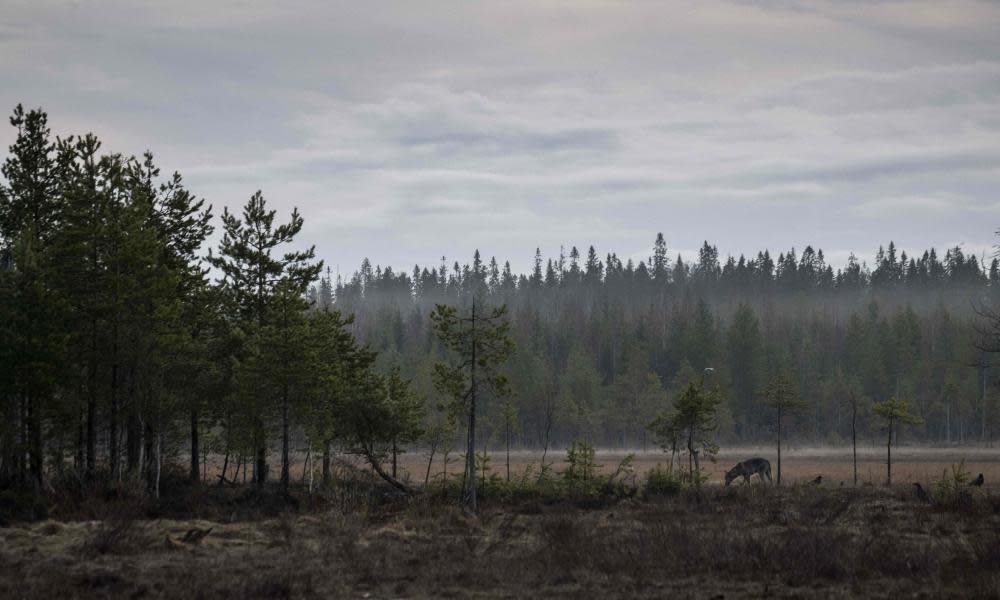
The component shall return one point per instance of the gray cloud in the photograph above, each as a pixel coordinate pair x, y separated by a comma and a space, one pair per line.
405, 131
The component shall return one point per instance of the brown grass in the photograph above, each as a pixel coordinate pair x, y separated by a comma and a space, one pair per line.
910, 464
797, 465
801, 541
355, 539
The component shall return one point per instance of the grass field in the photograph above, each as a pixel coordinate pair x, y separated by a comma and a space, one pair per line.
803, 464
799, 541
798, 464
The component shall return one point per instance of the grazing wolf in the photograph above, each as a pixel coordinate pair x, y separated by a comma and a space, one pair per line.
745, 469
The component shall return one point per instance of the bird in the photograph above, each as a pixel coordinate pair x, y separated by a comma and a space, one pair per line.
978, 481
818, 480
195, 535
922, 494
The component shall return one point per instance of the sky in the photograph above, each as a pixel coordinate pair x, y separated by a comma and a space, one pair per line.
408, 131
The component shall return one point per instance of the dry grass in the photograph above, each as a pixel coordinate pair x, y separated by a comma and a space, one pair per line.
355, 539
798, 542
798, 464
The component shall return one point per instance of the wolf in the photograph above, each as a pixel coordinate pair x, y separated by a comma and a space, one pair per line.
745, 469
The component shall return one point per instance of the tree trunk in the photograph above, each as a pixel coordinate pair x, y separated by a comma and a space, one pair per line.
394, 454
149, 452
947, 421
779, 446
508, 452
92, 415
159, 463
326, 463
22, 446
225, 467
444, 470
195, 446
983, 416
470, 454
310, 459
888, 457
260, 462
693, 455
36, 457
285, 466
113, 451
399, 485
133, 431
430, 461
307, 466
854, 441
80, 441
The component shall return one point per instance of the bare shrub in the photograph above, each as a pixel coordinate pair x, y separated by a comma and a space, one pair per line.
120, 532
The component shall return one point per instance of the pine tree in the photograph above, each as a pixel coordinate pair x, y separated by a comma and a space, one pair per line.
481, 340
257, 278
780, 396
894, 413
29, 212
691, 421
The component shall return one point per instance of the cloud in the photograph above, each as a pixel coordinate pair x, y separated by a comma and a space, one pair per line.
407, 131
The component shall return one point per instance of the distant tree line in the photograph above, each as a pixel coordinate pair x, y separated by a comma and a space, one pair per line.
126, 342
604, 345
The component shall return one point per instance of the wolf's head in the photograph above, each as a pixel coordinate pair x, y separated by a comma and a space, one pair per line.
731, 474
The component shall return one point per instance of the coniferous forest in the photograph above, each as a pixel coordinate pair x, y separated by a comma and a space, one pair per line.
143, 326
499, 300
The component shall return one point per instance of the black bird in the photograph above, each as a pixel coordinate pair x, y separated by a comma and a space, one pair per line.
978, 481
818, 480
195, 535
922, 494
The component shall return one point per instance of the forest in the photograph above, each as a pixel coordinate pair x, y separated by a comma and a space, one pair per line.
130, 339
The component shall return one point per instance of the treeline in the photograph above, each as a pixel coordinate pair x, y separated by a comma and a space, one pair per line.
604, 345
119, 350
125, 341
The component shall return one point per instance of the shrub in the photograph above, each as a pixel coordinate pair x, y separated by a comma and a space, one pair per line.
119, 532
952, 491
582, 465
663, 482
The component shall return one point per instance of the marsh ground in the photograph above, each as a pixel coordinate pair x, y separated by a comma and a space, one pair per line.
910, 464
799, 541
835, 464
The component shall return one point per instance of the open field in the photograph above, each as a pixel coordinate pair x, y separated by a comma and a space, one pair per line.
798, 541
802, 542
910, 464
834, 464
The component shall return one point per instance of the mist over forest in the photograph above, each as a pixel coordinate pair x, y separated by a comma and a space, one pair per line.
128, 341
520, 299
603, 346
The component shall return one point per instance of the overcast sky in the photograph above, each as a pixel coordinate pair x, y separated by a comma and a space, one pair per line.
408, 131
